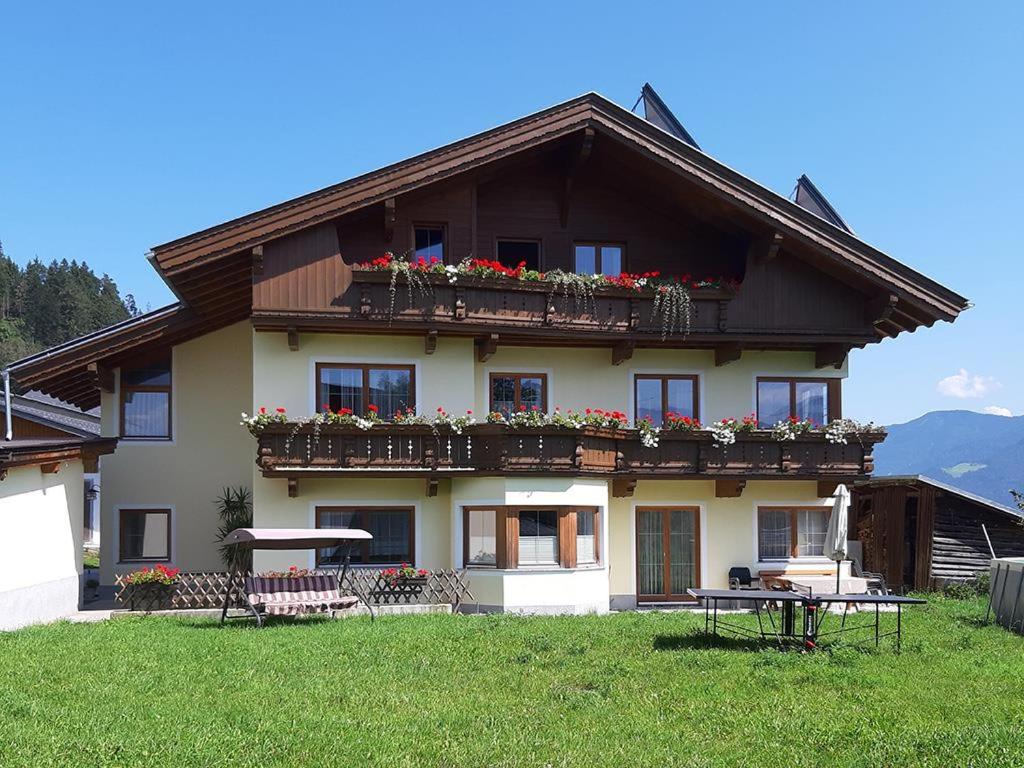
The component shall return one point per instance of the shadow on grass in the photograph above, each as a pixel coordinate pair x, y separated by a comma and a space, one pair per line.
269, 622
698, 641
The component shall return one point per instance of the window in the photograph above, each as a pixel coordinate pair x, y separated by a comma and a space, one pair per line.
598, 259
391, 527
480, 534
357, 387
586, 536
145, 534
146, 400
783, 533
428, 242
518, 391
538, 537
513, 252
657, 396
814, 399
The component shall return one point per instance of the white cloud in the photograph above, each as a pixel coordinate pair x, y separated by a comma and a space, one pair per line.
997, 410
964, 385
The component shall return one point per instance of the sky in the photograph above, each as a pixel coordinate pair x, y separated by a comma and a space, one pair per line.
123, 126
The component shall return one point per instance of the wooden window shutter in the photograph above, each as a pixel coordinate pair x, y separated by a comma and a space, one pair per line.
597, 535
835, 399
567, 537
506, 536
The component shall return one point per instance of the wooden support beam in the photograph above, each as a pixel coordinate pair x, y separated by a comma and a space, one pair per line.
389, 219
430, 342
622, 351
293, 339
257, 260
729, 489
826, 488
830, 354
727, 353
623, 487
765, 249
50, 468
432, 483
880, 308
578, 159
486, 347
101, 376
293, 487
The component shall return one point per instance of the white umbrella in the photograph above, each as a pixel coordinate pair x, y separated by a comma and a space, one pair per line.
835, 536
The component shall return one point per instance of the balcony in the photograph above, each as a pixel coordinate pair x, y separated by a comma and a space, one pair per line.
293, 451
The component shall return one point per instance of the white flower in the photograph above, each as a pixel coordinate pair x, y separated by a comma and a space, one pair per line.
723, 432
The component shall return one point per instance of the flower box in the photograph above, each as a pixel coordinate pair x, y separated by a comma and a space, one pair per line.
151, 596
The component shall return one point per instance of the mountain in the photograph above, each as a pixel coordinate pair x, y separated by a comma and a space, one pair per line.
978, 452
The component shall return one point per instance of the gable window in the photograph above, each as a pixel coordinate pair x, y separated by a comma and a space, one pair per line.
428, 240
518, 392
392, 529
145, 534
658, 395
784, 533
538, 537
513, 252
146, 400
814, 399
357, 387
597, 259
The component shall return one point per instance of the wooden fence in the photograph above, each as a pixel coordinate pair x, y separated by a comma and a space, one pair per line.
206, 590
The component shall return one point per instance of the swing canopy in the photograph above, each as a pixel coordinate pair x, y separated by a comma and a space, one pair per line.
294, 538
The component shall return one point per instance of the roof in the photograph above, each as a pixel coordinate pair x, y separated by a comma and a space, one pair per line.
884, 480
43, 409
294, 538
46, 450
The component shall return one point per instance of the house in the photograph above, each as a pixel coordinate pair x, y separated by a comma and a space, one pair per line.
41, 498
36, 415
295, 308
921, 533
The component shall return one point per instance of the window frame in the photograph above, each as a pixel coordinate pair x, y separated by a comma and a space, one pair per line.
124, 390
441, 225
598, 246
498, 240
666, 545
498, 518
664, 377
833, 393
121, 558
506, 536
363, 547
794, 534
517, 393
366, 368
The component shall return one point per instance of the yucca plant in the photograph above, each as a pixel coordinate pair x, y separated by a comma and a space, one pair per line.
234, 508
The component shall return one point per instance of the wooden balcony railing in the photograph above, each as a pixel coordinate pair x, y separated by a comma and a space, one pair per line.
492, 449
516, 305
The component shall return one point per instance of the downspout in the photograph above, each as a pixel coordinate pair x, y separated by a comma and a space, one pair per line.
8, 422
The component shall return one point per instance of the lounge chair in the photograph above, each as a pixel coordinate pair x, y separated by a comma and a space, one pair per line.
294, 596
876, 581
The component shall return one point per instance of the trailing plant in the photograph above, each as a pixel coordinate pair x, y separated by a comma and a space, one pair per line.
674, 307
263, 418
723, 432
159, 574
839, 431
234, 510
412, 271
579, 288
649, 434
791, 428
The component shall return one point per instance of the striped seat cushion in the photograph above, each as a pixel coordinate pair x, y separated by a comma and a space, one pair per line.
293, 596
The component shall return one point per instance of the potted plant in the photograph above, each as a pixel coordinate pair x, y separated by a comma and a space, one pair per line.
150, 589
405, 575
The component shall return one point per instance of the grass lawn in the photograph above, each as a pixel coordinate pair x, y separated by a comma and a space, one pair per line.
623, 690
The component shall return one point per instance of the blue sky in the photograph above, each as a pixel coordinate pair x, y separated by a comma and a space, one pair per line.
125, 126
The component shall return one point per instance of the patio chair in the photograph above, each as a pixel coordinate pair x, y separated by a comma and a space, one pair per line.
740, 578
876, 581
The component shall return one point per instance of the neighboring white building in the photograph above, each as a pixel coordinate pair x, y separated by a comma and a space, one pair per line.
41, 497
285, 309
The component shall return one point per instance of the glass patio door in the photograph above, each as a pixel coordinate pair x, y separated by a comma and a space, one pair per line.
667, 553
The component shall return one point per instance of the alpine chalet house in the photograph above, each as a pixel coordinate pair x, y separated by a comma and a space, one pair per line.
573, 354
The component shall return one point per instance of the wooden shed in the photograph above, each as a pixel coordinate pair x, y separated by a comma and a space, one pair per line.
921, 533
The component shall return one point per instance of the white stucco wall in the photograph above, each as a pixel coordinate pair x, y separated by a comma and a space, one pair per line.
41, 545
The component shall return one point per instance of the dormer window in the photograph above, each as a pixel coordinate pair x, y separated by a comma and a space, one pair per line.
428, 242
597, 259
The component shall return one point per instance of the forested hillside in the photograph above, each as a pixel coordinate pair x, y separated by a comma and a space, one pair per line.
46, 304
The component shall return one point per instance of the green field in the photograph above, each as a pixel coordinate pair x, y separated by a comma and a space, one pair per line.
623, 690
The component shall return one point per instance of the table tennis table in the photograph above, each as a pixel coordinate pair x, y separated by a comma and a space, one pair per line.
812, 612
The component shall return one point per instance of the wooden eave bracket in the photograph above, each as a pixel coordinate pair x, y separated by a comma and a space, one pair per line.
623, 487
578, 159
880, 308
765, 249
257, 260
622, 351
293, 487
486, 347
432, 483
430, 342
293, 339
50, 468
389, 219
729, 489
102, 377
727, 353
830, 355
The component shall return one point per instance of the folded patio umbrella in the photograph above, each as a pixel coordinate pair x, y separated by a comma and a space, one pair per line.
835, 536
